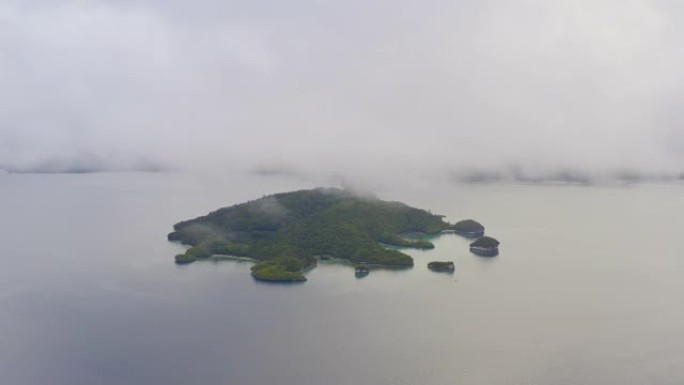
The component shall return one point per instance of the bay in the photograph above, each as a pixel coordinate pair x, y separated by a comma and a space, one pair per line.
587, 289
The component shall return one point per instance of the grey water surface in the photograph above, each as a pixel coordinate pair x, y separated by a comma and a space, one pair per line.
588, 289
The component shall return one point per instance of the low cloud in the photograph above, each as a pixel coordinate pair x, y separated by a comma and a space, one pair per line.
472, 89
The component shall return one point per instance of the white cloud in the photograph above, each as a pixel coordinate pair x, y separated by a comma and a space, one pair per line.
352, 87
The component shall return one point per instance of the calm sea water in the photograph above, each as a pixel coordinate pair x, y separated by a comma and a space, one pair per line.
588, 289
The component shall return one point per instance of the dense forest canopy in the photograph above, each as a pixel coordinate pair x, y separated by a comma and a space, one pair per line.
286, 231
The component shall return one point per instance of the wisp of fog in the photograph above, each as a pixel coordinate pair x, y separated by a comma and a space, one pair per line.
474, 90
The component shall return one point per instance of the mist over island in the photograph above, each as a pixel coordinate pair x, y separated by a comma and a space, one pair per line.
473, 91
475, 192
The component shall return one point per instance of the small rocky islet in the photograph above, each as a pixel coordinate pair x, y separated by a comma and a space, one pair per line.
287, 233
485, 246
447, 267
361, 271
469, 228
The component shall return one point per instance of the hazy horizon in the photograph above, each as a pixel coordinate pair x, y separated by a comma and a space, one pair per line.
470, 90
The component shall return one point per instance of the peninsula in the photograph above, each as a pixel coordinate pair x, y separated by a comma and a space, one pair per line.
285, 233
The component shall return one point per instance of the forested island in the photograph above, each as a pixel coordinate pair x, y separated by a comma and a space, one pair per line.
286, 232
469, 228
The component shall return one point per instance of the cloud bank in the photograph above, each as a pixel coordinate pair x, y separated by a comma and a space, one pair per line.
471, 89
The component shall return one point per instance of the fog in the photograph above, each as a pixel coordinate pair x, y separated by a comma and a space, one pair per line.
471, 90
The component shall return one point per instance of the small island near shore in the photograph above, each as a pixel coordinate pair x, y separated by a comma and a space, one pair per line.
361, 271
485, 246
469, 228
287, 233
446, 267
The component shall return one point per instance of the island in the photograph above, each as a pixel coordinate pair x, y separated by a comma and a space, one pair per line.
485, 246
285, 233
469, 228
447, 267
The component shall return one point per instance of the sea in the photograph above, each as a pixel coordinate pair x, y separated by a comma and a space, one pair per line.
588, 288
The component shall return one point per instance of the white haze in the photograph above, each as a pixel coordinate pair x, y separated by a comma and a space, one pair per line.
355, 88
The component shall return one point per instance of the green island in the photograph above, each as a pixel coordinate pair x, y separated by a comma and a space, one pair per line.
469, 228
286, 233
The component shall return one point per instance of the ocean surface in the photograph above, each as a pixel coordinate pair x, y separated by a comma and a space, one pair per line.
588, 289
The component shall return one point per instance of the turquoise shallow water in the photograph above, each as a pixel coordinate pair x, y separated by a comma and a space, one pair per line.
587, 290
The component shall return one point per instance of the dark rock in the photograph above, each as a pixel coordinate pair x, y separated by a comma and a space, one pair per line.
441, 266
485, 246
469, 228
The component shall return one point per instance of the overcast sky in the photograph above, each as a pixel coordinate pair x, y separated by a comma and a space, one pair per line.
591, 86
